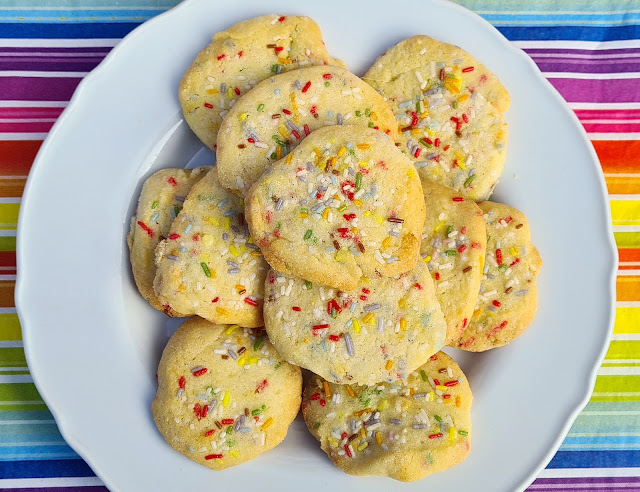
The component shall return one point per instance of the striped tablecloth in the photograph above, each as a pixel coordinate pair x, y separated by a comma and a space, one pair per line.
589, 50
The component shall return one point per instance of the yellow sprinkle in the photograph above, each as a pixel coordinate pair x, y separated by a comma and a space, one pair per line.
207, 239
389, 365
318, 153
441, 387
267, 423
289, 157
367, 213
205, 257
231, 329
283, 131
477, 312
336, 197
222, 311
462, 165
424, 115
240, 288
333, 442
296, 118
278, 152
356, 326
352, 393
243, 248
357, 203
227, 223
458, 155
233, 453
439, 225
453, 85
431, 396
379, 219
242, 360
378, 438
212, 221
257, 254
513, 251
364, 279
234, 250
363, 146
327, 390
354, 230
427, 259
341, 151
431, 133
363, 445
182, 288
403, 324
225, 400
292, 98
457, 401
386, 242
230, 93
325, 213
374, 116
368, 318
463, 98
252, 360
212, 91
416, 131
342, 256
402, 303
303, 215
332, 162
363, 163
383, 404
243, 116
363, 433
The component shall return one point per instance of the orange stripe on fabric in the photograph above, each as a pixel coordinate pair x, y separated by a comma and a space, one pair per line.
15, 187
17, 156
628, 288
629, 254
6, 294
618, 156
620, 185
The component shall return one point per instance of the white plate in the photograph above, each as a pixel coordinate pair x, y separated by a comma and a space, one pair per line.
93, 343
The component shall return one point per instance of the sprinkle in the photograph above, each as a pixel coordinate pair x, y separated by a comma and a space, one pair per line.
225, 400
349, 343
155, 204
250, 301
213, 457
463, 433
146, 228
371, 307
389, 365
320, 327
267, 423
436, 436
327, 390
205, 268
467, 69
198, 371
173, 257
467, 269
306, 86
307, 234
458, 198
395, 421
395, 220
423, 375
261, 386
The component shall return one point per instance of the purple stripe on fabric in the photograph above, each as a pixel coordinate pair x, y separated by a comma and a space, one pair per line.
66, 489
588, 480
38, 88
50, 65
582, 52
588, 66
71, 51
593, 90
590, 488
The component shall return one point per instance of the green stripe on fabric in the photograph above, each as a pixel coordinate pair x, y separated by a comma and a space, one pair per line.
10, 327
12, 357
623, 349
617, 384
627, 239
7, 243
19, 392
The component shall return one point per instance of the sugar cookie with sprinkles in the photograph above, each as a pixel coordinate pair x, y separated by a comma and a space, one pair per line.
345, 203
224, 394
508, 296
404, 430
448, 110
208, 265
282, 110
160, 201
239, 58
381, 331
454, 241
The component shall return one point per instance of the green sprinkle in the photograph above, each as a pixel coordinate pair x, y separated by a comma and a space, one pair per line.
423, 375
154, 204
273, 156
308, 284
371, 124
342, 208
424, 142
264, 407
451, 76
488, 237
334, 313
274, 68
449, 230
358, 113
469, 180
307, 234
367, 112
463, 433
231, 443
327, 84
358, 181
204, 266
257, 344
257, 411
455, 104
451, 252
438, 418
304, 210
502, 268
176, 210
277, 366
418, 107
261, 107
230, 430
316, 425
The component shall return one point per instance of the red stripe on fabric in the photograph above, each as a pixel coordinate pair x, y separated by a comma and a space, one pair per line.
618, 156
18, 155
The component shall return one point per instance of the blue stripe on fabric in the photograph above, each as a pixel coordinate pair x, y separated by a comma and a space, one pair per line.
595, 459
36, 30
595, 440
71, 15
611, 19
45, 469
569, 33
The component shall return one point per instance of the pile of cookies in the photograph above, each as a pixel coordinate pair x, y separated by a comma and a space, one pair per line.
339, 232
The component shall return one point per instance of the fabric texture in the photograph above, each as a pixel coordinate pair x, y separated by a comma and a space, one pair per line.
589, 51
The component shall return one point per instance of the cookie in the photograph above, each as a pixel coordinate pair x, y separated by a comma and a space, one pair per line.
208, 265
405, 430
160, 201
447, 107
240, 57
381, 331
508, 296
345, 203
282, 110
224, 394
454, 241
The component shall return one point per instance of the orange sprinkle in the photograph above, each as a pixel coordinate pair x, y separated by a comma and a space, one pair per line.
389, 365
327, 391
267, 423
457, 401
352, 393
378, 438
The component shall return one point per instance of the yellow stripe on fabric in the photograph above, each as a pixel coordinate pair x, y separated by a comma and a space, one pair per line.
10, 327
627, 239
625, 212
627, 320
617, 385
9, 215
623, 349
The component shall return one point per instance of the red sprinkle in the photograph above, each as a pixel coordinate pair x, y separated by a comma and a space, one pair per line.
348, 451
251, 140
174, 236
240, 53
281, 18
320, 327
204, 411
181, 382
260, 388
468, 342
334, 338
250, 301
306, 129
437, 142
437, 276
213, 457
146, 228
349, 216
414, 118
496, 303
433, 357
446, 147
313, 109
437, 382
200, 372
451, 383
209, 433
418, 286
464, 323
436, 436
458, 199
463, 230
306, 86
197, 410
497, 329
416, 154
208, 105
278, 49
468, 69
462, 248
327, 76
295, 134
296, 308
331, 305
226, 421
499, 256
237, 91
315, 396
216, 299
475, 245
465, 118
515, 262
286, 111
323, 402
221, 56
366, 291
